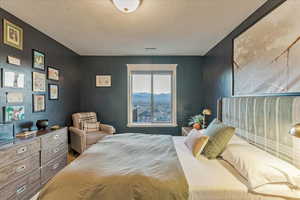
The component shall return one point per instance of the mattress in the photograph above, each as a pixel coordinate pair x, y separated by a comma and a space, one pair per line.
213, 179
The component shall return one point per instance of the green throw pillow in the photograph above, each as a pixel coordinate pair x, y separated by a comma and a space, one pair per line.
219, 135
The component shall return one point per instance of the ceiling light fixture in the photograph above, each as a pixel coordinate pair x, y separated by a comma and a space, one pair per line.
127, 6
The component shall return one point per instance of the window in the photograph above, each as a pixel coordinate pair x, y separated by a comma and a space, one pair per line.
152, 95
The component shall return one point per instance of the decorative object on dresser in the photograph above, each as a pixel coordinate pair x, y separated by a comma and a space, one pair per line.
186, 130
42, 124
26, 125
38, 60
55, 127
81, 139
14, 113
53, 92
13, 60
12, 79
14, 97
13, 35
205, 112
29, 163
38, 82
53, 74
103, 80
39, 103
196, 121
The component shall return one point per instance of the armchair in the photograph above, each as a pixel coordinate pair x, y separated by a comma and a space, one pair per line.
81, 139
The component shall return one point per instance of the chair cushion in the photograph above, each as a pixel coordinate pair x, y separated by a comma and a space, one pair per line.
94, 137
78, 118
90, 126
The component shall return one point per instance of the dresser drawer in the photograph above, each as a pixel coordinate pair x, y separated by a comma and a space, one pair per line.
19, 168
19, 151
54, 139
51, 153
23, 187
33, 190
50, 169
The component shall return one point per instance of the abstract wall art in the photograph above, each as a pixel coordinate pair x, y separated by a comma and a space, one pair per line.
266, 56
14, 113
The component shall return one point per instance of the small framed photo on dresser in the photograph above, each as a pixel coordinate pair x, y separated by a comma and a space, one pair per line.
38, 60
53, 92
53, 74
39, 102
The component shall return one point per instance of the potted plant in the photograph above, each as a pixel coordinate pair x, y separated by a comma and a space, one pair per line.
196, 121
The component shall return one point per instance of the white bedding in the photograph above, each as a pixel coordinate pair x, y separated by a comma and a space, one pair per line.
213, 179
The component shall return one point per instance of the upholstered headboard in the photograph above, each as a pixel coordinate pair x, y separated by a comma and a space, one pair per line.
265, 122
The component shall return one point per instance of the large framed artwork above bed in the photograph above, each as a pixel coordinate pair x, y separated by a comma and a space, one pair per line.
266, 56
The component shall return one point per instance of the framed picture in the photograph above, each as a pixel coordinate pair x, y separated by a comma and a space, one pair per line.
13, 79
13, 35
14, 97
13, 60
38, 82
103, 80
53, 74
266, 55
38, 60
14, 113
39, 102
53, 92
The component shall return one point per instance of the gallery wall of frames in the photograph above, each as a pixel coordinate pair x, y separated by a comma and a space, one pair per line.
39, 76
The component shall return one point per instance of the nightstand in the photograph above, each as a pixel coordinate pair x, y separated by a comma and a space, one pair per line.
185, 130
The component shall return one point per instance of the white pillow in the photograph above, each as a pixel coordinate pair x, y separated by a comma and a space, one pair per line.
260, 167
192, 137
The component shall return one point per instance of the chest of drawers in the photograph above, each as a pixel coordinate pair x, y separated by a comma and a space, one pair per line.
27, 164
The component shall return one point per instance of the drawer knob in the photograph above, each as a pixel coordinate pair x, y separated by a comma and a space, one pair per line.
22, 150
55, 166
55, 137
21, 189
21, 168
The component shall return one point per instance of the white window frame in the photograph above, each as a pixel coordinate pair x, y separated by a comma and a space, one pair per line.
155, 68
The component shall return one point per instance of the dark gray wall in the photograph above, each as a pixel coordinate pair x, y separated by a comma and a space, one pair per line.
111, 103
217, 70
58, 112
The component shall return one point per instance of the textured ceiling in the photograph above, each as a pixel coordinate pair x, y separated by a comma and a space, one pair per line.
96, 27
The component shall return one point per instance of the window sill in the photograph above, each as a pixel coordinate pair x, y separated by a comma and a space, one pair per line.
151, 125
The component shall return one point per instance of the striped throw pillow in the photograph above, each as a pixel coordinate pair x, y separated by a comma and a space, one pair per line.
90, 126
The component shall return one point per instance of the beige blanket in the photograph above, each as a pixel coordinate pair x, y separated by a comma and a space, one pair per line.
122, 167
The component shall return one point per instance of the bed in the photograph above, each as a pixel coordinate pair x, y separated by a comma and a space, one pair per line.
261, 121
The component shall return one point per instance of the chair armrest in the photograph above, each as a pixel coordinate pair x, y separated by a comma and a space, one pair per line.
78, 139
107, 128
